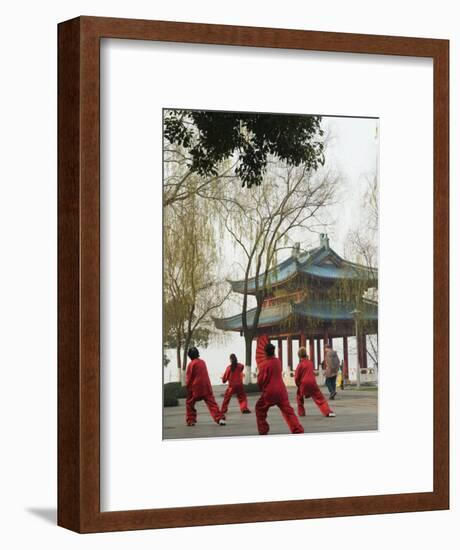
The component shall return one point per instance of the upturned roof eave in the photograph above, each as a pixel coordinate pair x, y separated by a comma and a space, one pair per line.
252, 291
301, 266
251, 281
305, 310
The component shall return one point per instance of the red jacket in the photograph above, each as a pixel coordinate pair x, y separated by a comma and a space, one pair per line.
305, 376
197, 378
270, 380
234, 378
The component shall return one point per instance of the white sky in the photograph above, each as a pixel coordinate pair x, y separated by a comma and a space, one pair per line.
352, 152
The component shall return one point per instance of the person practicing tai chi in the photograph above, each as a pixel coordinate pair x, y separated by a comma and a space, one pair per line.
199, 389
234, 376
307, 387
274, 392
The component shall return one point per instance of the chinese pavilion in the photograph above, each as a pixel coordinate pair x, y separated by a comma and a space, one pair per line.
313, 297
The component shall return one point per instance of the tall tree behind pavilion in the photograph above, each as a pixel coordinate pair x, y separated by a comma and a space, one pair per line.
362, 247
262, 220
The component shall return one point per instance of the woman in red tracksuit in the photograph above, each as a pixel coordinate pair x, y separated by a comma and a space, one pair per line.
199, 389
274, 392
234, 376
307, 387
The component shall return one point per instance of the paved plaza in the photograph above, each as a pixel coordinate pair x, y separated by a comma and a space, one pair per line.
356, 410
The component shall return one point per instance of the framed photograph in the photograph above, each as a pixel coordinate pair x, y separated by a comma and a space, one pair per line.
253, 241
247, 264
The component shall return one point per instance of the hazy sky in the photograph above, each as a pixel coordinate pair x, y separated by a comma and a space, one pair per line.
352, 153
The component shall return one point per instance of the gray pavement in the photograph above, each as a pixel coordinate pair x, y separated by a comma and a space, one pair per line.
356, 410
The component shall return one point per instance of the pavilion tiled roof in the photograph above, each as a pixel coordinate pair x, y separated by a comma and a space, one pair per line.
272, 315
329, 311
321, 263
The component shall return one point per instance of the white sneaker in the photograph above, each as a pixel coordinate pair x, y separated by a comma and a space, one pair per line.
222, 422
331, 415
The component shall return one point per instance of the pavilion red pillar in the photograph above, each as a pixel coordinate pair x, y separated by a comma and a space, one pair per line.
326, 341
364, 350
312, 350
303, 340
289, 350
345, 359
359, 344
318, 350
280, 351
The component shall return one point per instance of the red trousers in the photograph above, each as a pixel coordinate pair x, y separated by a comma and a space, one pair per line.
317, 396
287, 411
190, 411
240, 394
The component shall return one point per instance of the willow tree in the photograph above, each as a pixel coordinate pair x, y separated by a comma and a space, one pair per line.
263, 220
362, 247
192, 289
181, 183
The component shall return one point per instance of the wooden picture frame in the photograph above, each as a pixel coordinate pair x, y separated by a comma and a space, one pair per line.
79, 274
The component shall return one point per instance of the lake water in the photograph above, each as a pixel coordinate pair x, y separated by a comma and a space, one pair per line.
217, 357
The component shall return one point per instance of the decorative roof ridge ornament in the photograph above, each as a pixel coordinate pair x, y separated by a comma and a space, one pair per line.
324, 241
296, 251
321, 262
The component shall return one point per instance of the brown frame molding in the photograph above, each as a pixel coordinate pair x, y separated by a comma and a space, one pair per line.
78, 274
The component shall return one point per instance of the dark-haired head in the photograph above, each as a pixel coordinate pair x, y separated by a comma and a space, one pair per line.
193, 353
233, 361
270, 349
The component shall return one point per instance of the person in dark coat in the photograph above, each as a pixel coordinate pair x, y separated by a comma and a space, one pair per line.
199, 389
332, 362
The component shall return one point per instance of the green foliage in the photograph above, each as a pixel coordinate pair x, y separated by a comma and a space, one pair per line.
170, 401
200, 337
192, 289
170, 398
181, 391
251, 388
173, 386
211, 137
172, 392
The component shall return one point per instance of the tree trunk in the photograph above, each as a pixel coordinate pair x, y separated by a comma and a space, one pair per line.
182, 377
179, 361
183, 371
248, 359
184, 360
